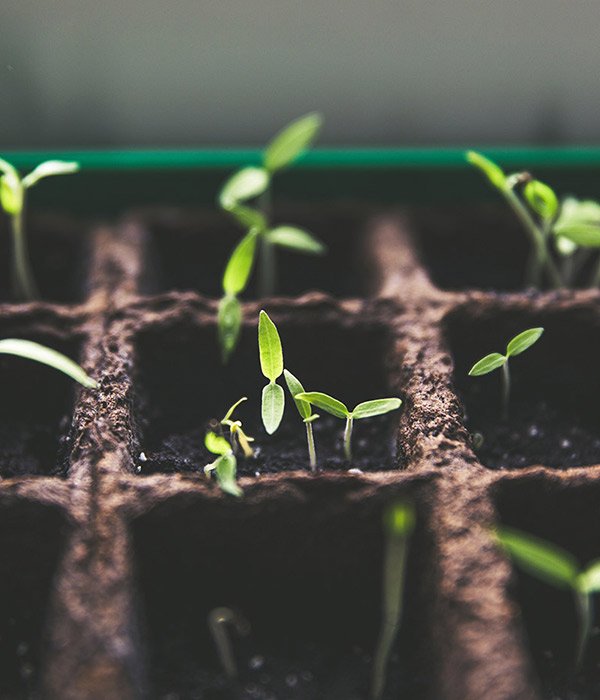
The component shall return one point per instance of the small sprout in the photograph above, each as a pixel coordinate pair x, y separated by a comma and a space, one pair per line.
557, 568
489, 363
236, 433
12, 200
225, 466
305, 411
367, 409
271, 364
218, 621
399, 522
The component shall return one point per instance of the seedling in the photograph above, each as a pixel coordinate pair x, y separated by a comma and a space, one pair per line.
236, 434
271, 364
218, 621
398, 524
12, 199
560, 569
252, 183
367, 409
494, 360
225, 466
305, 411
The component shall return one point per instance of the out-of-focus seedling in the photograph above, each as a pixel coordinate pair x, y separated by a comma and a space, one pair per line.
236, 433
367, 409
558, 568
399, 522
12, 199
305, 411
225, 466
577, 237
494, 360
219, 619
271, 365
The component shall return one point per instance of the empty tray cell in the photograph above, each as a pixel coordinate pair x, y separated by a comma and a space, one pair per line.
566, 515
554, 414
58, 249
482, 247
304, 573
182, 386
30, 541
190, 253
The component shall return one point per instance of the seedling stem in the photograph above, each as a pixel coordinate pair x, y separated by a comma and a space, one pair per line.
310, 439
505, 390
348, 437
218, 621
23, 283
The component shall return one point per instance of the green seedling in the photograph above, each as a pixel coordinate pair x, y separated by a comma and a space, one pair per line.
225, 466
12, 200
493, 361
398, 523
305, 411
29, 350
261, 237
219, 619
367, 409
271, 365
577, 237
236, 433
558, 568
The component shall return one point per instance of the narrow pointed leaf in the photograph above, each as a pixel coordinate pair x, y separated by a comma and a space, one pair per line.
229, 321
216, 444
296, 239
46, 356
326, 402
232, 409
226, 471
542, 559
589, 580
291, 141
295, 387
493, 172
541, 199
273, 404
376, 407
487, 364
246, 184
48, 168
269, 347
240, 264
524, 340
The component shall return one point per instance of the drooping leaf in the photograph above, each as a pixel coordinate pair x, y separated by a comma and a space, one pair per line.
269, 348
248, 217
295, 387
239, 267
493, 172
232, 408
544, 560
46, 356
324, 401
375, 407
296, 239
542, 199
524, 340
272, 406
246, 184
487, 364
589, 580
48, 168
216, 444
291, 141
229, 321
226, 471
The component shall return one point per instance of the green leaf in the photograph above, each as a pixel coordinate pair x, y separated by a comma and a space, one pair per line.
48, 168
564, 246
226, 471
586, 235
296, 239
544, 560
376, 407
273, 404
487, 364
524, 340
289, 143
247, 183
399, 519
11, 195
295, 387
589, 580
493, 172
229, 321
216, 444
269, 347
248, 217
541, 199
324, 401
46, 356
240, 265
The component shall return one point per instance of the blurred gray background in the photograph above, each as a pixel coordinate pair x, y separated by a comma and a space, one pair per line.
196, 72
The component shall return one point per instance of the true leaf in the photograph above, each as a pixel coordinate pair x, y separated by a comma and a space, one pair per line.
229, 321
524, 340
295, 387
50, 167
376, 407
240, 264
225, 471
247, 183
296, 239
47, 356
493, 172
289, 143
216, 444
269, 347
542, 559
487, 364
273, 404
326, 402
541, 198
589, 580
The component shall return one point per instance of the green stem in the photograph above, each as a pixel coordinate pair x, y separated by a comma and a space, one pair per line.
23, 283
348, 438
505, 390
583, 604
267, 269
312, 453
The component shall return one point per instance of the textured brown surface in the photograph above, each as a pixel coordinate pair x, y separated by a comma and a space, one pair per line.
468, 626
